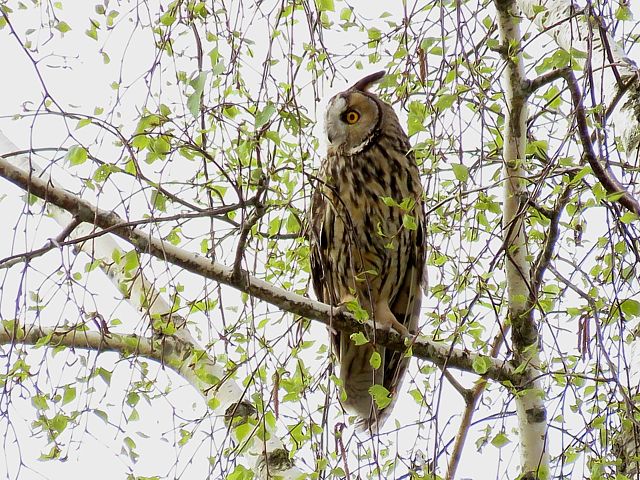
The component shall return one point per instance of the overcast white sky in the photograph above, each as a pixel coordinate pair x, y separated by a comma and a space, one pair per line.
76, 75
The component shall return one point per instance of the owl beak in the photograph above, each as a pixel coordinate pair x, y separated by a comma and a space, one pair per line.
330, 137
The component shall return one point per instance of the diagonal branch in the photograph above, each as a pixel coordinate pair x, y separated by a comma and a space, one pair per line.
604, 175
546, 253
180, 353
439, 354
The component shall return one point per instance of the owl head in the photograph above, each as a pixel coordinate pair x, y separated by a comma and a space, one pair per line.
355, 117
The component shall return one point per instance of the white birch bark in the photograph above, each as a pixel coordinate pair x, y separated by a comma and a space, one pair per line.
616, 78
269, 457
530, 405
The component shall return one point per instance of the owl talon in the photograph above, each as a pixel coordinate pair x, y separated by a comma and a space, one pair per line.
397, 326
386, 320
401, 329
343, 306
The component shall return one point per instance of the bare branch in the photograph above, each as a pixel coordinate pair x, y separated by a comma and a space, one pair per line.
247, 225
50, 245
465, 393
542, 80
546, 254
602, 173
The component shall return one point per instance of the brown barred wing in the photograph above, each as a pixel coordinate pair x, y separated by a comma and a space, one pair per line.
406, 308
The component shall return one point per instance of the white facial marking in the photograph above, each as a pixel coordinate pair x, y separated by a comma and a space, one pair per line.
333, 125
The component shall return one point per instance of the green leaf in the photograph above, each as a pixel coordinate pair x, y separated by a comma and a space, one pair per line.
375, 361
242, 430
416, 116
69, 394
194, 100
623, 13
409, 222
325, 5
380, 395
63, 27
174, 237
102, 414
374, 34
628, 217
500, 440
407, 204
481, 364
131, 261
185, 436
59, 423
264, 116
133, 398
52, 454
360, 313
134, 416
241, 473
104, 374
40, 402
140, 141
293, 225
417, 396
358, 338
445, 101
389, 202
345, 14
213, 403
76, 155
460, 171
167, 19
630, 307
92, 32
83, 123
159, 200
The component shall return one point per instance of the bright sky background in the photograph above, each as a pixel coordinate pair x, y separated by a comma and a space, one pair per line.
78, 76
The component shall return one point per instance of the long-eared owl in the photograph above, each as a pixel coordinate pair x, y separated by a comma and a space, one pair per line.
367, 238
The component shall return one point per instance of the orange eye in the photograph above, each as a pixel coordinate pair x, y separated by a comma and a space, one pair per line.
351, 117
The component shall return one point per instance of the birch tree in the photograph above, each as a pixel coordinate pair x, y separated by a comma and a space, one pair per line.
155, 176
612, 77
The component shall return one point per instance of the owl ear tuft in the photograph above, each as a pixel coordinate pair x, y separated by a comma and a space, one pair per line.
364, 84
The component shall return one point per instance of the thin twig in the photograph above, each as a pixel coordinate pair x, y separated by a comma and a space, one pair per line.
465, 393
52, 243
546, 253
470, 409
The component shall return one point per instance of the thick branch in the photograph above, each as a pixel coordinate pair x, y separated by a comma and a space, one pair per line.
543, 80
180, 353
602, 173
439, 354
72, 337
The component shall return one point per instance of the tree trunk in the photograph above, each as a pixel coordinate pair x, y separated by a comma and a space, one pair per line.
530, 405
